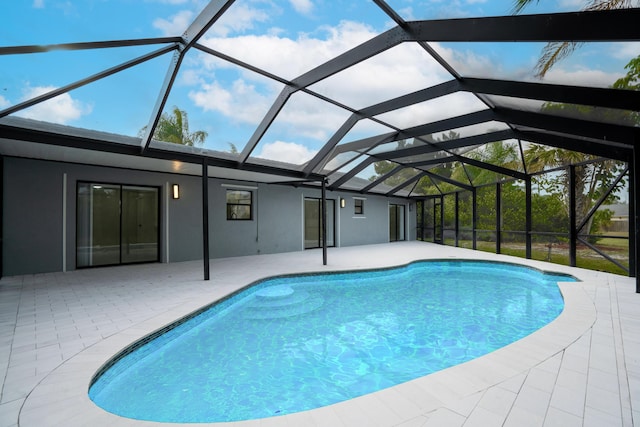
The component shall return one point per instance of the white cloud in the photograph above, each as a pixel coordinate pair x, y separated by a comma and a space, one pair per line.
581, 77
452, 105
288, 152
248, 98
304, 7
38, 4
268, 51
176, 24
308, 117
466, 60
190, 77
4, 102
398, 71
626, 50
237, 19
61, 109
240, 103
407, 13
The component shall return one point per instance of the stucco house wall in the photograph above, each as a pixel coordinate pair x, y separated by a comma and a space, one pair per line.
39, 215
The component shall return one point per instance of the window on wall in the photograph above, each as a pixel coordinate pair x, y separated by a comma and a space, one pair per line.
358, 206
239, 204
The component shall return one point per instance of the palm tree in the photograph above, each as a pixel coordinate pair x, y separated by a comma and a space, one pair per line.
591, 179
553, 52
174, 128
498, 153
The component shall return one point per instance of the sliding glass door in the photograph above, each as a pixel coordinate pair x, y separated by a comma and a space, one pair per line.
116, 224
313, 223
396, 223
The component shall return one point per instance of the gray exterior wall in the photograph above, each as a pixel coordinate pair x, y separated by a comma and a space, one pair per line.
370, 227
33, 215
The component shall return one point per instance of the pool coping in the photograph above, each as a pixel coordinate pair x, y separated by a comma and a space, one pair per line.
63, 394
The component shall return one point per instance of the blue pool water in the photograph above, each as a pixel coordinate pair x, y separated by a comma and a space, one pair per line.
290, 344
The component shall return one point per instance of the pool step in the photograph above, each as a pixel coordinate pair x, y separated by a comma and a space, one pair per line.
280, 302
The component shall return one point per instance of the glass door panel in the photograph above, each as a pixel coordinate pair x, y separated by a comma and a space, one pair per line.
98, 224
116, 224
330, 223
393, 229
401, 222
139, 224
396, 223
437, 220
313, 223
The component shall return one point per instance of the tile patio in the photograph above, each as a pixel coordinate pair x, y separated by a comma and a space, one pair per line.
583, 369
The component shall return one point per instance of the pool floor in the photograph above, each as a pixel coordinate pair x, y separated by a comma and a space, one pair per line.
301, 342
58, 329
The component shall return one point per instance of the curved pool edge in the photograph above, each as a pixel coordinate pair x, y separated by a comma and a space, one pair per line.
69, 383
399, 268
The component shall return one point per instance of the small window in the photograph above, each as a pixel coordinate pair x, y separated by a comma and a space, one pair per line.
238, 205
358, 206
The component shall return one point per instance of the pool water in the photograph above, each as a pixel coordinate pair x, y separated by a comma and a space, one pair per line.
290, 344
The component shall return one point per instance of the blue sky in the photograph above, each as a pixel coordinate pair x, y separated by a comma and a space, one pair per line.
284, 37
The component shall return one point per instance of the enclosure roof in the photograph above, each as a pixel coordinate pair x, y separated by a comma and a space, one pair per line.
304, 90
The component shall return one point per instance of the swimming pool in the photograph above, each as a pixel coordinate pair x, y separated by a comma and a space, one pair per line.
294, 343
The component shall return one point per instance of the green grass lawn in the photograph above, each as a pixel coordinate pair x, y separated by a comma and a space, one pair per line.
618, 243
592, 263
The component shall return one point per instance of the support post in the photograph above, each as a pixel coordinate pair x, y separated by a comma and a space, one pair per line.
1, 213
635, 181
633, 175
424, 219
528, 217
441, 219
420, 216
205, 218
498, 216
573, 235
457, 223
324, 221
474, 219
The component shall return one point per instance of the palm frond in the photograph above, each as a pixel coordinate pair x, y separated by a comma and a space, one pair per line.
519, 5
608, 4
552, 53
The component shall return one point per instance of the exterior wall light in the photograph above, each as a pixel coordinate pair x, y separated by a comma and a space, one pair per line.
175, 191
343, 202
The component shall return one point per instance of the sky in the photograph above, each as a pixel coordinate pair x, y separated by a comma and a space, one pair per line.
286, 38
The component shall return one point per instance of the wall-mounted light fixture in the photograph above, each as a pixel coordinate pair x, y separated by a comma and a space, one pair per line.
175, 191
343, 202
